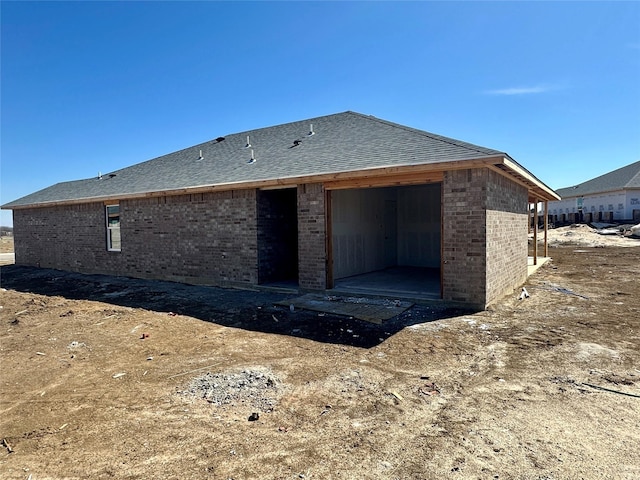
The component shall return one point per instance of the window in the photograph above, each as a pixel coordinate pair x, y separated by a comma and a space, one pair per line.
113, 228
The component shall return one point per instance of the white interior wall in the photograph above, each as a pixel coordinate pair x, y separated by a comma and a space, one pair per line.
377, 228
419, 226
358, 230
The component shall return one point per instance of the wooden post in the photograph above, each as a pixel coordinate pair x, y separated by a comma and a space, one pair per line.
328, 229
535, 232
546, 228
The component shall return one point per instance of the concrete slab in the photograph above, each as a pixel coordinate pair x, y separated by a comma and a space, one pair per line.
7, 258
370, 309
531, 268
395, 282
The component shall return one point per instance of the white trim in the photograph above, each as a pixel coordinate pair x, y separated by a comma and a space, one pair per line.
111, 230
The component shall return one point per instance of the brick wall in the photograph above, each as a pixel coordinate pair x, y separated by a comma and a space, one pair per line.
201, 238
507, 242
213, 238
205, 238
312, 253
66, 237
464, 236
484, 236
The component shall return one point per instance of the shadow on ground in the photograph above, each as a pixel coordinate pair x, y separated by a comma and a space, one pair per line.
246, 309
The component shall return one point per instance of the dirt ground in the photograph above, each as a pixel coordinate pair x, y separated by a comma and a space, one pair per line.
6, 244
107, 377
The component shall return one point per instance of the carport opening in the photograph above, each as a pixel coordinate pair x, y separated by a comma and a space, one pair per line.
278, 237
387, 241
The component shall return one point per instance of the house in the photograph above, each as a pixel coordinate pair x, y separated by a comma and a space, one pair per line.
313, 205
612, 197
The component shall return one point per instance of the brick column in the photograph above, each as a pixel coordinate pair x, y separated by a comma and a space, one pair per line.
507, 243
312, 255
464, 236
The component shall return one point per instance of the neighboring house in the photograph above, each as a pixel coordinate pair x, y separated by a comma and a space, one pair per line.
306, 205
614, 196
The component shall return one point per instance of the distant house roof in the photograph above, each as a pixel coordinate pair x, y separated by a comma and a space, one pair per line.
620, 179
316, 149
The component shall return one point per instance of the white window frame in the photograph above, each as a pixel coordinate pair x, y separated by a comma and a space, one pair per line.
112, 230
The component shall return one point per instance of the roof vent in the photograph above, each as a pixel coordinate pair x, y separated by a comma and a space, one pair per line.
200, 157
296, 143
253, 157
248, 145
220, 139
311, 132
111, 175
99, 175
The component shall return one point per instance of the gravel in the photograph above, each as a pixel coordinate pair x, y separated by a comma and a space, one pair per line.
256, 387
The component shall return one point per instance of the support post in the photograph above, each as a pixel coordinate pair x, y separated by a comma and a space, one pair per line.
535, 232
546, 228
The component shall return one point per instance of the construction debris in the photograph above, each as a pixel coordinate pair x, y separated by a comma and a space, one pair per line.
634, 231
429, 389
610, 390
6, 445
523, 294
557, 288
256, 387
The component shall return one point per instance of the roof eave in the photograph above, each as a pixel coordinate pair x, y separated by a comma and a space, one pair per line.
537, 189
506, 165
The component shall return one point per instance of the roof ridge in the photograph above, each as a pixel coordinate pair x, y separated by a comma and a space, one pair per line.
608, 174
222, 163
636, 176
434, 136
290, 123
627, 176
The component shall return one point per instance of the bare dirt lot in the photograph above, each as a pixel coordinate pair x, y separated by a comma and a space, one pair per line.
6, 244
106, 377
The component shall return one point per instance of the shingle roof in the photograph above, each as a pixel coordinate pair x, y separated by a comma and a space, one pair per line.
620, 179
341, 142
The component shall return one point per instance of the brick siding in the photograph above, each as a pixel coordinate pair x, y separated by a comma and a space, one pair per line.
206, 238
507, 204
312, 254
464, 236
484, 236
64, 237
226, 238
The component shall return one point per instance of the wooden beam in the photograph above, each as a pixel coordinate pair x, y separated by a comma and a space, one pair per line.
510, 177
386, 181
328, 231
547, 193
442, 243
535, 232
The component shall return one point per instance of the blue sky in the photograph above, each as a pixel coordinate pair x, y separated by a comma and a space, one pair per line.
97, 86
